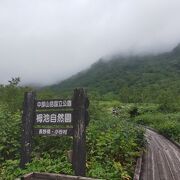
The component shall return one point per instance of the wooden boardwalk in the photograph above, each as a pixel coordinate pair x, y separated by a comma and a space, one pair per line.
161, 160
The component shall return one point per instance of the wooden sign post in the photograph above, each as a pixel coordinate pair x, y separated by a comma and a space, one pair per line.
27, 128
79, 138
75, 116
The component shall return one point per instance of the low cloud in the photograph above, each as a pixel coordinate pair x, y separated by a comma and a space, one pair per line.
45, 41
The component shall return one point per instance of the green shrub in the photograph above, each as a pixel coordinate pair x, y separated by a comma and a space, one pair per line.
113, 144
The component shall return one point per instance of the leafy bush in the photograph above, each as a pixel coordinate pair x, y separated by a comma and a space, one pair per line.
10, 168
11, 95
166, 123
10, 134
113, 144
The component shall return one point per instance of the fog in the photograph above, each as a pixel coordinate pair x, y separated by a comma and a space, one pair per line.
46, 41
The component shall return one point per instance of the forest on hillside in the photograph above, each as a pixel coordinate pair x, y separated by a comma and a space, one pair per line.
131, 78
144, 91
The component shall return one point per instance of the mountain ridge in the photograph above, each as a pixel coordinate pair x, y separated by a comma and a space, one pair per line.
129, 74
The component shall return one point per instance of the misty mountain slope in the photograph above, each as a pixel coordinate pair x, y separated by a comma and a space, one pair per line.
145, 76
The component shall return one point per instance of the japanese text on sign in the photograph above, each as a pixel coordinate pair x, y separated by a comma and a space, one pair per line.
53, 118
54, 104
54, 132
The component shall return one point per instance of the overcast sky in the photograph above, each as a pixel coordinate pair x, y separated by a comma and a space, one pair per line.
45, 41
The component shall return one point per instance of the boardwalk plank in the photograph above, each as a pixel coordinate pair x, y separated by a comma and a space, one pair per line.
161, 160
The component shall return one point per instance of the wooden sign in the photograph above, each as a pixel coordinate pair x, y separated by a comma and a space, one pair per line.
53, 112
53, 131
53, 118
53, 103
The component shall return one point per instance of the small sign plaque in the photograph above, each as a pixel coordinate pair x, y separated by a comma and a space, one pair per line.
54, 103
53, 118
53, 131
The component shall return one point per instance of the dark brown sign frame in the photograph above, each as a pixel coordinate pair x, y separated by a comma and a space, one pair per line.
76, 108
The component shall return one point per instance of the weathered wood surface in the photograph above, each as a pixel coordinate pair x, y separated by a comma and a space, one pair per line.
79, 138
27, 128
52, 176
161, 160
76, 118
138, 168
